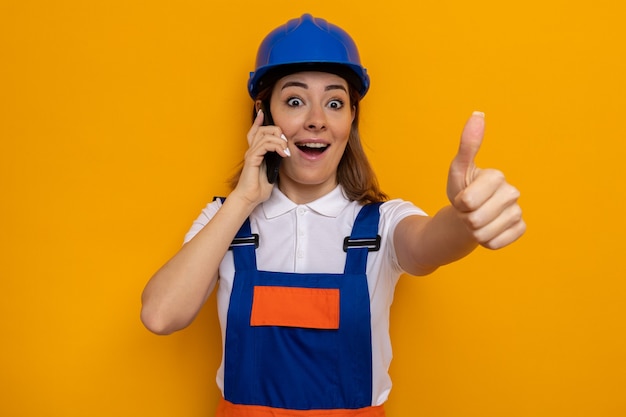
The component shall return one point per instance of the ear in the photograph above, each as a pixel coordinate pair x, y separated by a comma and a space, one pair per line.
353, 114
257, 105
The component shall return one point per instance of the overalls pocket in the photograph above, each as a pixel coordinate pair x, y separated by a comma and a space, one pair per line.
310, 308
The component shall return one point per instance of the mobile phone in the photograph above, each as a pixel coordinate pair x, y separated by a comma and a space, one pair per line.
272, 159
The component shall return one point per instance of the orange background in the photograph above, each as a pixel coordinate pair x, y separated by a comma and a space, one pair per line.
119, 120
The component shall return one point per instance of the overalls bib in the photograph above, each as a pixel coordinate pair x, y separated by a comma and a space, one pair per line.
301, 341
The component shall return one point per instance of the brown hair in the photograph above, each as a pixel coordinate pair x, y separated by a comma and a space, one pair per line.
354, 173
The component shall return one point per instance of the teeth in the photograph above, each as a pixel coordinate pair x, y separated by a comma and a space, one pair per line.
314, 145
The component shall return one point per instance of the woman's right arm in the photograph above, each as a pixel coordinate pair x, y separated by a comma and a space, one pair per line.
177, 291
175, 294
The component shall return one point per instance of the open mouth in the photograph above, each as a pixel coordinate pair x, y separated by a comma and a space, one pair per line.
313, 148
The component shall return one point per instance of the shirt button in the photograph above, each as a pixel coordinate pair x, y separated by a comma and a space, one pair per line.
301, 211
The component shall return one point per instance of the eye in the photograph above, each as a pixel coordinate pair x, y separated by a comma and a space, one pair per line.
335, 104
294, 102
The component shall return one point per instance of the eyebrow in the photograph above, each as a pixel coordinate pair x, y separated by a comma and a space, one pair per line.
305, 86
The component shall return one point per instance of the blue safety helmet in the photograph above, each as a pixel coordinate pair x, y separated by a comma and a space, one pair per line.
307, 44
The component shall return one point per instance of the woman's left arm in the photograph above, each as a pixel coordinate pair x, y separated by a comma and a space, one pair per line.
483, 211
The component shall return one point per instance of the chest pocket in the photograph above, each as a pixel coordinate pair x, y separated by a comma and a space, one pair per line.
312, 308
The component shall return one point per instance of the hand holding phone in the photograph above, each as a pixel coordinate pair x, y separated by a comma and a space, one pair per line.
272, 159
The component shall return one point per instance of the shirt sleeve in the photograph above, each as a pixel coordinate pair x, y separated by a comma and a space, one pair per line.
393, 212
203, 219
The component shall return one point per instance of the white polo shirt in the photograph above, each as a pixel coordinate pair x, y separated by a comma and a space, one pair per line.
308, 238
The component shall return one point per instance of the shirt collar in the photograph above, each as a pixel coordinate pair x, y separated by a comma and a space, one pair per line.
329, 205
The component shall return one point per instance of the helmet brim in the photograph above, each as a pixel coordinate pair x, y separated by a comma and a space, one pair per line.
265, 77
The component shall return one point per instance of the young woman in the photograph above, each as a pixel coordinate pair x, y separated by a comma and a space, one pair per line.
307, 265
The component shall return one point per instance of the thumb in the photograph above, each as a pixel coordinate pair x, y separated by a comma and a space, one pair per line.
463, 169
471, 139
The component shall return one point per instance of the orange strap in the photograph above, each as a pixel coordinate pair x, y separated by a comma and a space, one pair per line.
228, 409
313, 308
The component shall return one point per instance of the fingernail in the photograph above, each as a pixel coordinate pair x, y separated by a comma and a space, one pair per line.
287, 151
283, 137
479, 114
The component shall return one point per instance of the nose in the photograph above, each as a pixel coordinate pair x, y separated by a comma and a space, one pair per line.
316, 118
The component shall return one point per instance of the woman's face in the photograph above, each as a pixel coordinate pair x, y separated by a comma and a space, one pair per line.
314, 112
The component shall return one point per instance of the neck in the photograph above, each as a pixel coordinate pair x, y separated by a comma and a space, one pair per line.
305, 193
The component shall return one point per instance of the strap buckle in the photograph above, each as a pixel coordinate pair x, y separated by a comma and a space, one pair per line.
245, 241
372, 244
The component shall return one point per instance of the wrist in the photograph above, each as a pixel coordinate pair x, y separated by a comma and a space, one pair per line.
240, 202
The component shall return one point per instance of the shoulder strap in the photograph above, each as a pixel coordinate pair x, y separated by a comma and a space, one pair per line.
243, 245
363, 239
244, 236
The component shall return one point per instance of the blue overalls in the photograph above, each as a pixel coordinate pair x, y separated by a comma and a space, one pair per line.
315, 351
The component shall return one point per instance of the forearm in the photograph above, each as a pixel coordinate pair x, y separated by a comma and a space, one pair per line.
175, 294
446, 238
426, 243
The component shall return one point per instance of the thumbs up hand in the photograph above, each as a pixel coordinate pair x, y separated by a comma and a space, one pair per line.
483, 200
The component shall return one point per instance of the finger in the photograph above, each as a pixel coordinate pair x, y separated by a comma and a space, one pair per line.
281, 145
471, 140
498, 206
494, 223
258, 122
264, 143
485, 184
508, 236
